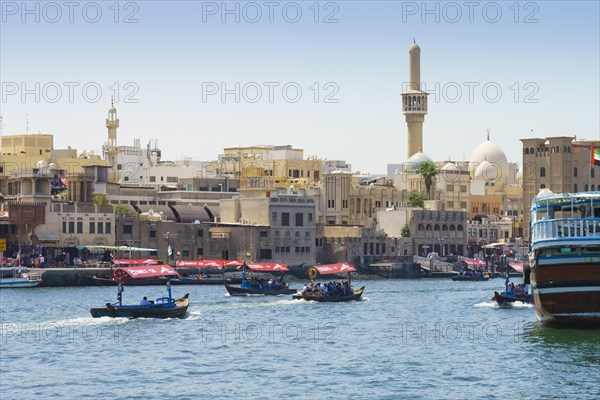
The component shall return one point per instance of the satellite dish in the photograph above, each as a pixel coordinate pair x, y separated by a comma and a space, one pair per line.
196, 222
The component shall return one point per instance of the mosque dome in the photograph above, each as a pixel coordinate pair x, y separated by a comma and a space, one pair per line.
487, 171
416, 160
544, 193
493, 154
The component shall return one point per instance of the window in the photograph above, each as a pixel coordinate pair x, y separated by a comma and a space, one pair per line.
307, 235
299, 219
463, 204
285, 219
172, 179
310, 216
592, 172
127, 229
92, 227
107, 230
575, 188
277, 234
126, 179
200, 251
79, 227
264, 235
575, 172
543, 172
383, 248
376, 248
200, 233
274, 217
152, 234
153, 252
297, 234
297, 249
266, 254
365, 249
185, 253
119, 167
450, 204
71, 227
152, 179
100, 227
288, 234
64, 226
450, 188
463, 188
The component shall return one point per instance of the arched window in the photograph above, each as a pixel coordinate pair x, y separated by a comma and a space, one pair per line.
542, 186
436, 227
574, 171
420, 227
526, 150
459, 228
593, 187
444, 228
575, 188
531, 150
592, 172
452, 228
586, 188
542, 172
428, 227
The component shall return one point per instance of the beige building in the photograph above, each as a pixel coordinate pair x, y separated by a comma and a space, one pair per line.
561, 164
287, 225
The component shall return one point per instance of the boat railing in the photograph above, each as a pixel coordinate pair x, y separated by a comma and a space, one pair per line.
566, 228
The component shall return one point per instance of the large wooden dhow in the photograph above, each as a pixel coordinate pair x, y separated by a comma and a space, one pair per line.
565, 257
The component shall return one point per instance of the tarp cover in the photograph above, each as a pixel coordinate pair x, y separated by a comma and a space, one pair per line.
150, 271
473, 263
516, 266
339, 268
267, 267
140, 261
209, 263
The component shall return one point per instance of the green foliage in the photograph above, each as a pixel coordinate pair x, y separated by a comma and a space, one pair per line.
122, 209
100, 200
416, 199
428, 172
405, 232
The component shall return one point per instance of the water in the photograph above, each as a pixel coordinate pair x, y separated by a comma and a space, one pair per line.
407, 339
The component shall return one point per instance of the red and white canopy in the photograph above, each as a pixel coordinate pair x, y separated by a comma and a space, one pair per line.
330, 269
139, 261
473, 262
150, 271
517, 266
209, 263
267, 267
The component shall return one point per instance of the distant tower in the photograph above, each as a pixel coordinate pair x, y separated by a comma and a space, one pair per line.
110, 148
414, 102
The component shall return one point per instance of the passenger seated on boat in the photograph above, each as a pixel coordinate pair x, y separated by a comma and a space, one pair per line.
145, 302
511, 287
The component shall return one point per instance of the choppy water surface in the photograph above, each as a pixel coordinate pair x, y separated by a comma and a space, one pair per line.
407, 339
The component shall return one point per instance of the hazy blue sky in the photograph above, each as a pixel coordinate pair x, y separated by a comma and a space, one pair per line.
171, 57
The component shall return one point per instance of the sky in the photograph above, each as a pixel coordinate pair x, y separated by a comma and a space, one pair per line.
324, 76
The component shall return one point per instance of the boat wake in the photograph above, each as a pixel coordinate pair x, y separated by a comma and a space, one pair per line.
487, 304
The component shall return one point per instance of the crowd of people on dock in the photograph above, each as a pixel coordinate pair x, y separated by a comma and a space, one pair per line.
330, 289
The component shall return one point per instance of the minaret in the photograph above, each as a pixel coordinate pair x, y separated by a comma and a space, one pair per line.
110, 148
414, 102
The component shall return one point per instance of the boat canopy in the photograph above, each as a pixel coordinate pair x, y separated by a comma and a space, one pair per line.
267, 267
150, 271
517, 266
209, 263
473, 262
330, 269
140, 261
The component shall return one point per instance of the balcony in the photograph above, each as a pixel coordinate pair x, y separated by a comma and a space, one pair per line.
566, 231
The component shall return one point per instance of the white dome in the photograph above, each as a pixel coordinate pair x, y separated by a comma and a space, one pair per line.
450, 167
544, 193
416, 160
493, 154
489, 172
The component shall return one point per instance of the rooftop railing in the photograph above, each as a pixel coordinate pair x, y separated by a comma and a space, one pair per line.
564, 229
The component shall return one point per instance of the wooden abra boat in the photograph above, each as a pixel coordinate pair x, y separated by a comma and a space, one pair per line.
260, 286
565, 257
342, 292
205, 278
163, 307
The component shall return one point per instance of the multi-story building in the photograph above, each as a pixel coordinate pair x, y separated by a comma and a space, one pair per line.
561, 164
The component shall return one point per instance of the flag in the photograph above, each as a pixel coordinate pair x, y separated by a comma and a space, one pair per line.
595, 156
169, 251
177, 253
